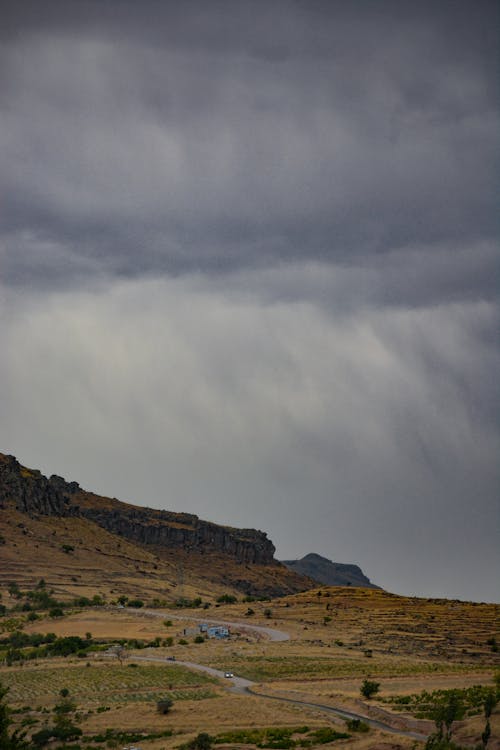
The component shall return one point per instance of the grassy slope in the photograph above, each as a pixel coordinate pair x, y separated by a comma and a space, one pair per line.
109, 565
416, 644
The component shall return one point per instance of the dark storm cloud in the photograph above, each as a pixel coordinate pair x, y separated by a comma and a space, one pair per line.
367, 437
252, 247
159, 138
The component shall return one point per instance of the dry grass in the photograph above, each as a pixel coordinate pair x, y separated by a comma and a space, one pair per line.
415, 644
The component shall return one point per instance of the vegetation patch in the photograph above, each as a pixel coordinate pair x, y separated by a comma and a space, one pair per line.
260, 668
423, 705
113, 683
281, 738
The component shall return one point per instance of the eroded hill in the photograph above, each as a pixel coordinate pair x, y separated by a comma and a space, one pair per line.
78, 540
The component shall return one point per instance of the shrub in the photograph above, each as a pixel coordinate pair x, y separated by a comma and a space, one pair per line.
164, 705
202, 741
369, 688
199, 639
356, 725
138, 603
227, 599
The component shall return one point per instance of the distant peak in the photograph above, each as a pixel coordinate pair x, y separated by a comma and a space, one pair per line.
329, 573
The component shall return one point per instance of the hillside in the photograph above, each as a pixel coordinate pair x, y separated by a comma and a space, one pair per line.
329, 573
81, 541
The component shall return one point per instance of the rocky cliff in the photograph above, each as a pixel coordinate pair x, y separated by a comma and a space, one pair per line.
330, 573
30, 492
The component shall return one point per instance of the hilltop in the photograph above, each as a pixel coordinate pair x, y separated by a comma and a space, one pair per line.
330, 573
81, 541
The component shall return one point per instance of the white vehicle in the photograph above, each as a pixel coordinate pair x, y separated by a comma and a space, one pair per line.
228, 674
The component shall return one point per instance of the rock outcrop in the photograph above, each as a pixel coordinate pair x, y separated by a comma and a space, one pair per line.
33, 493
329, 573
30, 491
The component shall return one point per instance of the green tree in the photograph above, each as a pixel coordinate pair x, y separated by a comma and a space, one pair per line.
164, 705
486, 734
202, 741
445, 711
8, 740
490, 702
227, 599
369, 688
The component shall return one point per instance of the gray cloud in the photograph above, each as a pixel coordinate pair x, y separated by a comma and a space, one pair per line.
336, 134
249, 266
366, 437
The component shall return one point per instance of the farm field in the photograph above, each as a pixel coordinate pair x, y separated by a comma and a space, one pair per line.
338, 639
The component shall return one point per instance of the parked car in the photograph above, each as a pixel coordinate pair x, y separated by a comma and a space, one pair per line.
228, 674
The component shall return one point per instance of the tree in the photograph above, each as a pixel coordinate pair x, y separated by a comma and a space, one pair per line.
164, 705
490, 702
8, 741
448, 711
202, 741
444, 712
227, 599
486, 734
369, 688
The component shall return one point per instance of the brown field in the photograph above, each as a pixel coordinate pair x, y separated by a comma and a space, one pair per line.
338, 637
413, 644
105, 564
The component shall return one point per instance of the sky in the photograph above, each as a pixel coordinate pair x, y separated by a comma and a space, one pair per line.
249, 269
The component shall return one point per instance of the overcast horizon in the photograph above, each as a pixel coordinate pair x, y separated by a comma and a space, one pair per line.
249, 269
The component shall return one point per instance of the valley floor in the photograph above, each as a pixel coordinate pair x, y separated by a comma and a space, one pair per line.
338, 639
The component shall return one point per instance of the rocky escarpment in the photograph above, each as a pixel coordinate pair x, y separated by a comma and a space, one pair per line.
33, 493
30, 491
246, 545
330, 573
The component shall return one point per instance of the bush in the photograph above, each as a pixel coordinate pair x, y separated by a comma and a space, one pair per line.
326, 734
227, 599
199, 639
369, 688
202, 741
164, 705
356, 725
138, 603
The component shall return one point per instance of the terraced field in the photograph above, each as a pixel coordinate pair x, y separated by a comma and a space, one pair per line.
106, 683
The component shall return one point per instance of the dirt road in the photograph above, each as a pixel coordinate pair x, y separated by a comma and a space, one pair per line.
243, 686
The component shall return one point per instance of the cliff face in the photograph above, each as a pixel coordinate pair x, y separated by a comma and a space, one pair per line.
33, 493
330, 573
30, 490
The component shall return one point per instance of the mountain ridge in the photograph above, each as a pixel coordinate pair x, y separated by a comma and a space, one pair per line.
241, 559
324, 571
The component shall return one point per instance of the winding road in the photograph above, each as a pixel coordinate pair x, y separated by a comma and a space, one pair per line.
243, 686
